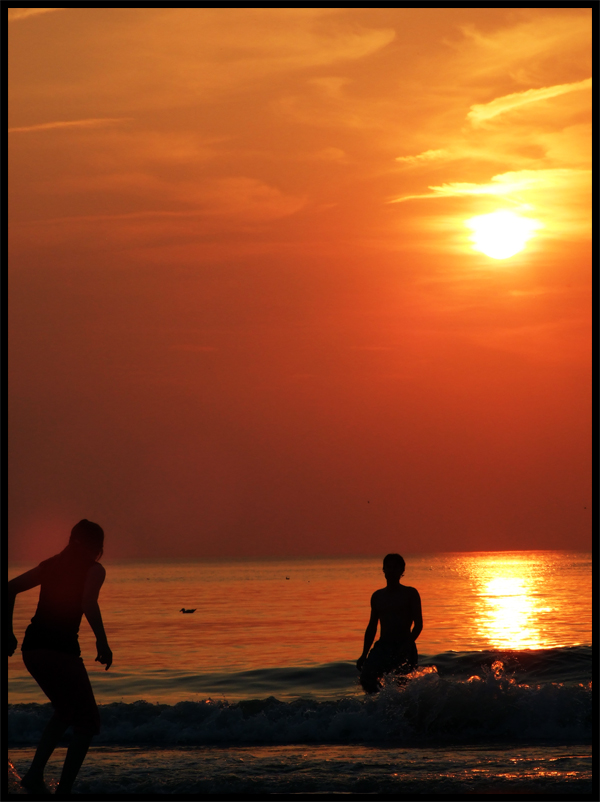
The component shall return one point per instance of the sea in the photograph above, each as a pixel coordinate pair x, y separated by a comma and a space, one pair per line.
255, 693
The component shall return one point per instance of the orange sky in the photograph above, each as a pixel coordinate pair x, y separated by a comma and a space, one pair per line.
246, 316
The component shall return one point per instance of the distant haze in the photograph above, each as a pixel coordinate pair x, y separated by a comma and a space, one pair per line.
246, 318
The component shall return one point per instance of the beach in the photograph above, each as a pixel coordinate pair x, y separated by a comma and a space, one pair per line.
240, 698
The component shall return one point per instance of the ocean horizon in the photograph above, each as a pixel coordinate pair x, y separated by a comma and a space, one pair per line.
257, 690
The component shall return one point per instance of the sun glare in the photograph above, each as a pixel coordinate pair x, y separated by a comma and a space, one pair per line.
511, 616
510, 613
501, 234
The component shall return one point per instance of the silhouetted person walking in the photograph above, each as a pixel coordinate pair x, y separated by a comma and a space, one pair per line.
397, 609
70, 583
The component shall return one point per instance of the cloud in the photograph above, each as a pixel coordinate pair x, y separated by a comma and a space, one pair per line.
531, 50
92, 122
539, 157
486, 111
426, 156
184, 211
246, 198
164, 59
571, 145
558, 198
23, 13
199, 53
506, 184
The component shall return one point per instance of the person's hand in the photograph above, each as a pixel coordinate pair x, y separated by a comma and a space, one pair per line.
360, 662
10, 644
104, 655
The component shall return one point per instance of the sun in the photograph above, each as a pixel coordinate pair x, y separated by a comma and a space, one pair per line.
501, 234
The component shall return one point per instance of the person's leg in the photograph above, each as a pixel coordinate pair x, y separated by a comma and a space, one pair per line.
65, 682
34, 779
75, 756
86, 723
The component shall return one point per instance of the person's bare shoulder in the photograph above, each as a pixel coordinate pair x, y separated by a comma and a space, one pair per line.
97, 571
93, 582
95, 578
414, 599
378, 597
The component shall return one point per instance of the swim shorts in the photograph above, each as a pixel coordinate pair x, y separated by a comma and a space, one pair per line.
400, 658
64, 680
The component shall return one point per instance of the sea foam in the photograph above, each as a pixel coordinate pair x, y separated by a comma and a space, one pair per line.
490, 705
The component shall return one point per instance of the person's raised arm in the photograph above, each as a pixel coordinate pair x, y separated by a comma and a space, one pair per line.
20, 583
370, 633
416, 613
91, 610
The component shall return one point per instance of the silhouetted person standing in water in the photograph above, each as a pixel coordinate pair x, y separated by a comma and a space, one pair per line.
397, 608
70, 583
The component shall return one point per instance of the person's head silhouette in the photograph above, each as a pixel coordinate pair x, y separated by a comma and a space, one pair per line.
88, 537
393, 567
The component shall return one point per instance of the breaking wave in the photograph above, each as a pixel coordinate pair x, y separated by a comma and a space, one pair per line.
460, 698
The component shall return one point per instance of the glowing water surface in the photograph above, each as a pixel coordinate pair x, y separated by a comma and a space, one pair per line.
256, 615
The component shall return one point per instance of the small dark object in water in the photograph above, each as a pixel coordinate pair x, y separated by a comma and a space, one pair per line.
183, 610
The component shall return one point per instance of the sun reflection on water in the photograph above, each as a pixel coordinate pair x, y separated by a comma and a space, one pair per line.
509, 612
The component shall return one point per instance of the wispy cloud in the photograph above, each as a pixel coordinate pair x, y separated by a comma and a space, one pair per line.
504, 184
533, 47
92, 122
23, 13
486, 111
426, 156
